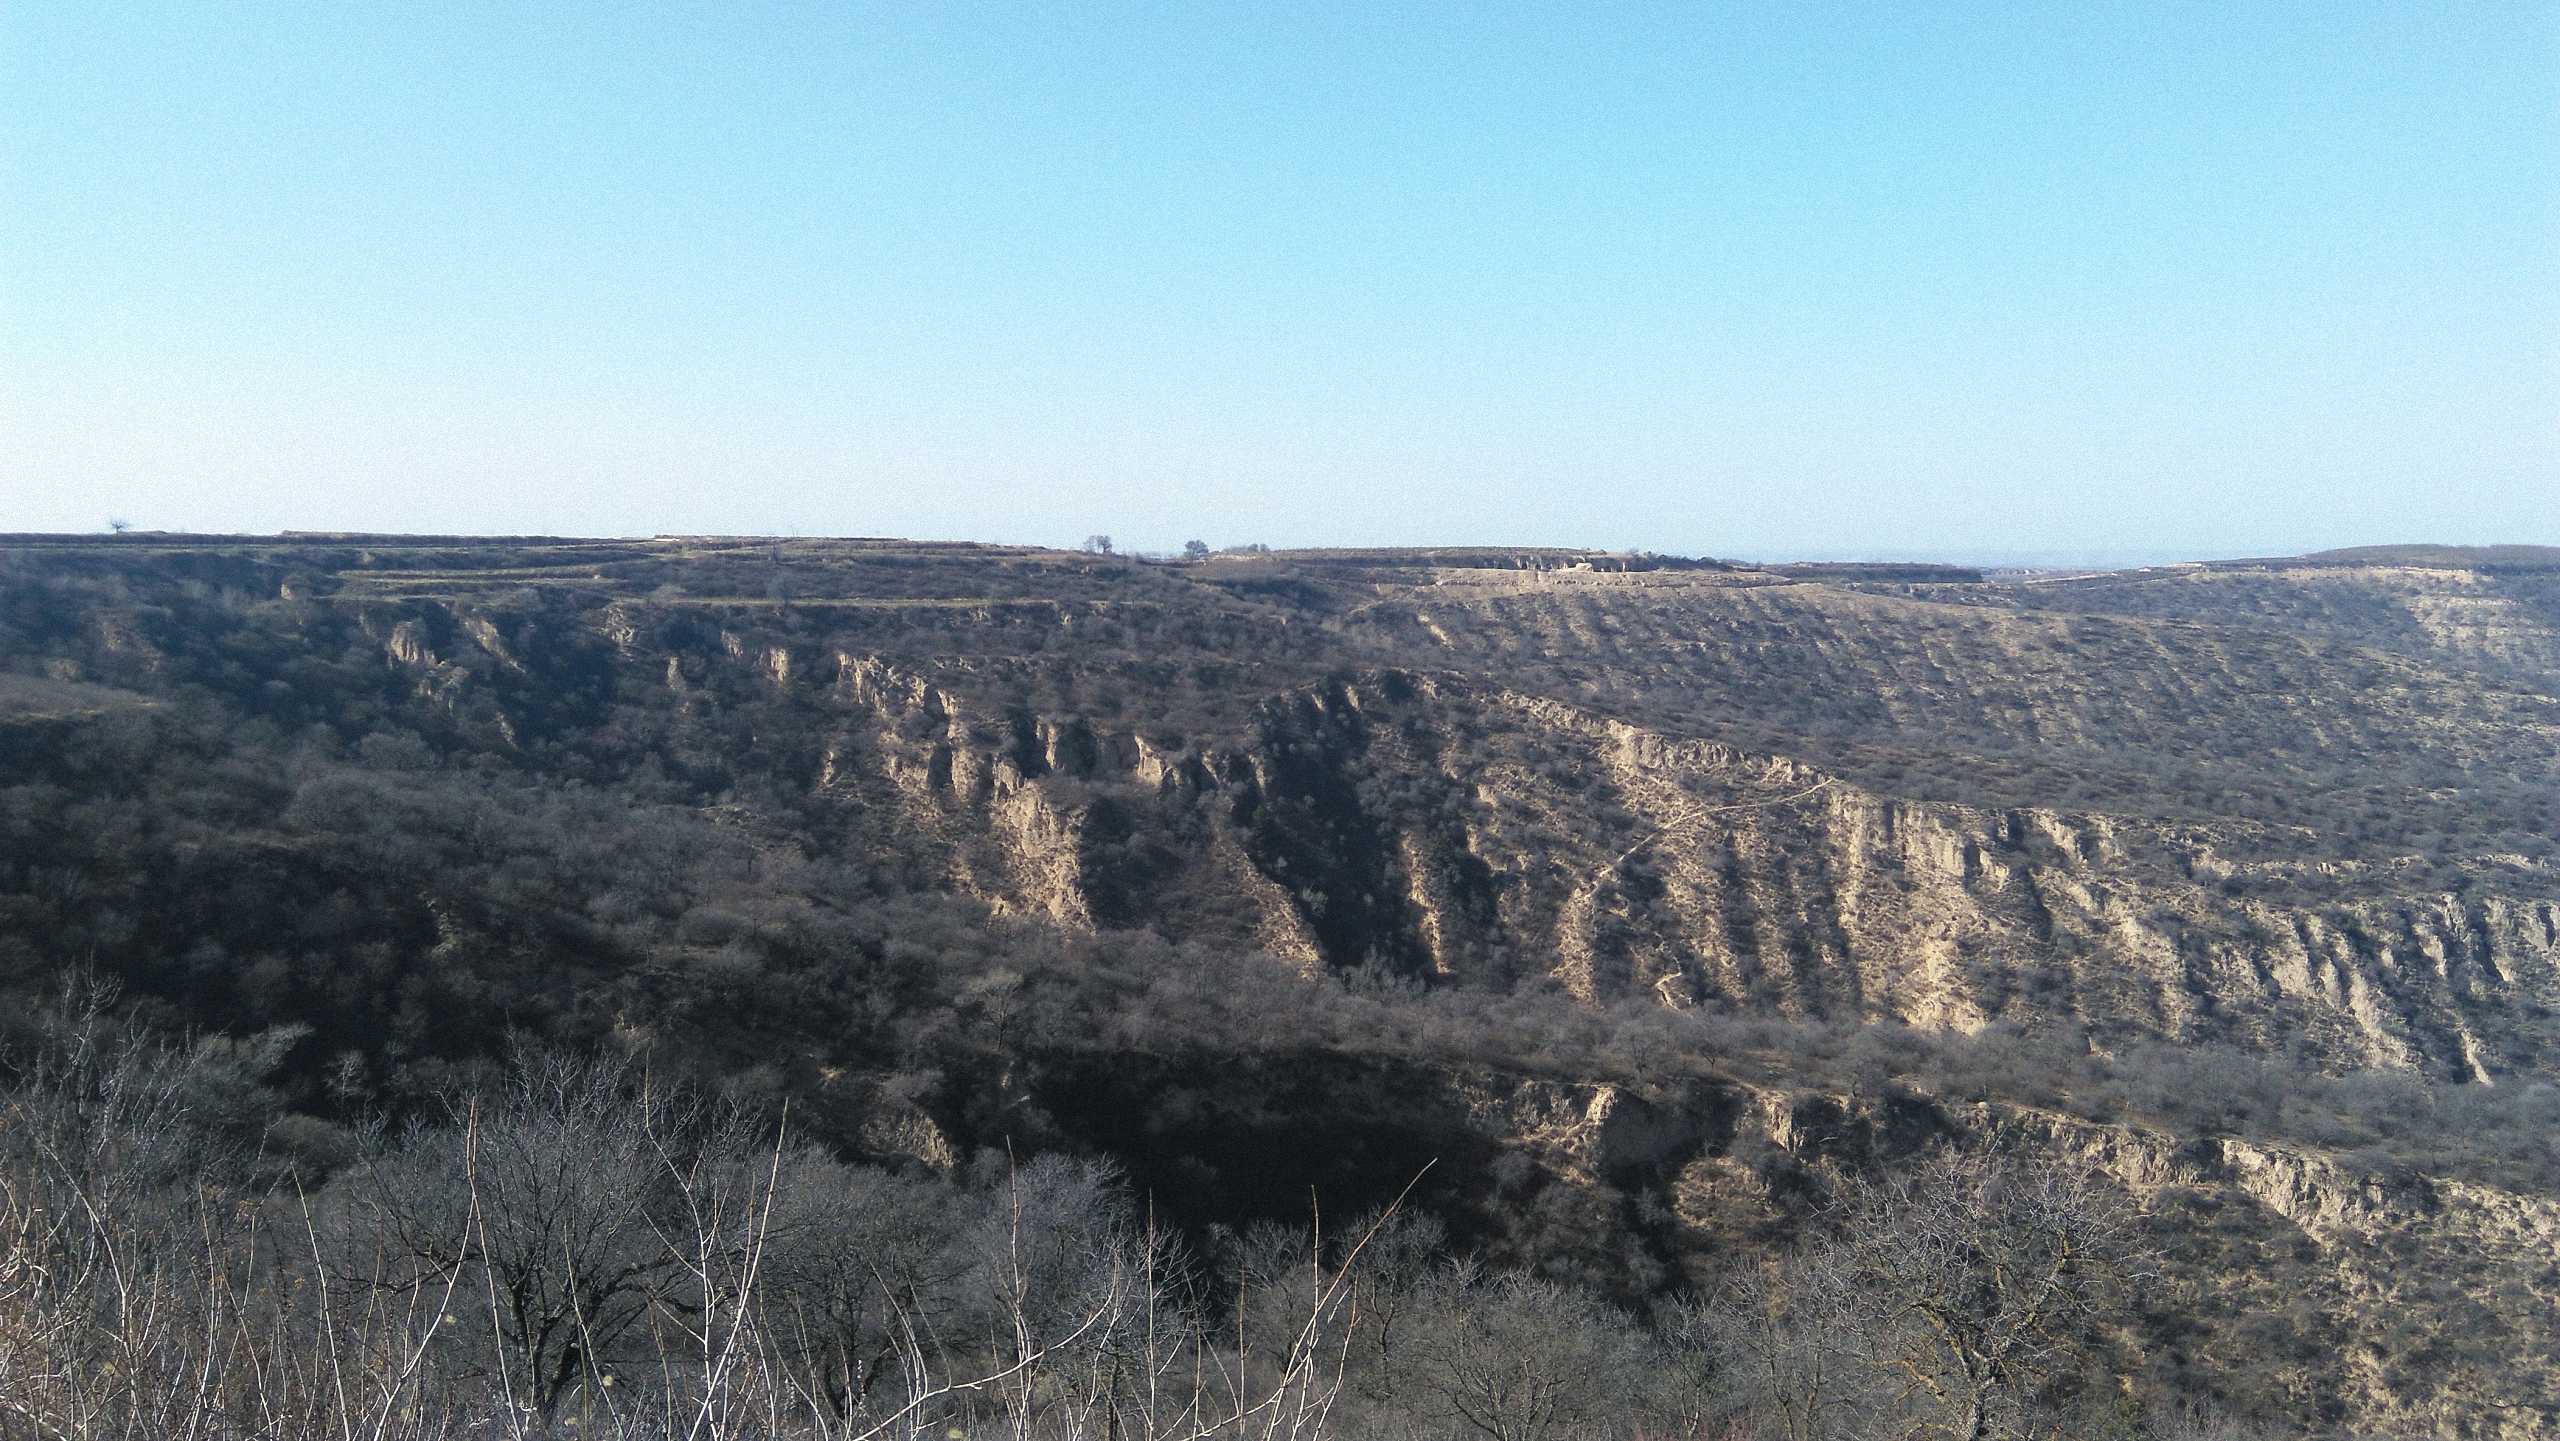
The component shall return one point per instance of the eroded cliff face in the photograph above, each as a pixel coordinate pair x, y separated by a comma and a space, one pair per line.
2334, 1250
1433, 826
1460, 824
2285, 1277
2306, 812
2299, 1250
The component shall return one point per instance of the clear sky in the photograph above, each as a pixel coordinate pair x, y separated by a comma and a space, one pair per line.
1741, 279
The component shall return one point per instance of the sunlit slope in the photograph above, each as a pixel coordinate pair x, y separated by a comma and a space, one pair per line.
1992, 676
2495, 617
1946, 804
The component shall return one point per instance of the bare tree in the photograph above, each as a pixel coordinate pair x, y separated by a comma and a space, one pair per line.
1405, 1265
1518, 1358
551, 1196
1974, 1280
1784, 1353
852, 1253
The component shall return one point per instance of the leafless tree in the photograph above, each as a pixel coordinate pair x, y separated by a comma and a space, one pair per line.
552, 1196
1784, 1354
852, 1254
1393, 1291
1519, 1358
1974, 1280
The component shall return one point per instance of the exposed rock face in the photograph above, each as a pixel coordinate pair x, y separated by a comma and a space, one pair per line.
2297, 1250
1438, 828
1945, 804
485, 634
2307, 810
2337, 1241
408, 645
2346, 1246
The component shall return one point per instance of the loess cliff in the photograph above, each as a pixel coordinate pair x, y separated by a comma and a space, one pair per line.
2301, 814
2302, 810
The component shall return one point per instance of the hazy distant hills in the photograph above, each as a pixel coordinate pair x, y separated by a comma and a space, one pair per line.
2441, 557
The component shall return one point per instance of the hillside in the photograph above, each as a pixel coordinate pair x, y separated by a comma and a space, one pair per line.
1632, 890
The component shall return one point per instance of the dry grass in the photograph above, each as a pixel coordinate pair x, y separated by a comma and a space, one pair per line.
138, 1300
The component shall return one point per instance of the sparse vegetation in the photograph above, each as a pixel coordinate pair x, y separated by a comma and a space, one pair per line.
825, 902
582, 1248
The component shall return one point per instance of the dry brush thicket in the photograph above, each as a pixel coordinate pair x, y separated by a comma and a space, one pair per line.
579, 1250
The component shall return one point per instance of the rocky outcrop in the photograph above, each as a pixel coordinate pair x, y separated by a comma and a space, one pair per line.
1476, 834
2329, 1244
2488, 1271
2302, 810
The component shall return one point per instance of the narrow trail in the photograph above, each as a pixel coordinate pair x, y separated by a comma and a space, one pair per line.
1574, 919
1696, 814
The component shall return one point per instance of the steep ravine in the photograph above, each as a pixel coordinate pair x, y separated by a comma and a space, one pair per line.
756, 801
2293, 1279
1431, 824
1426, 825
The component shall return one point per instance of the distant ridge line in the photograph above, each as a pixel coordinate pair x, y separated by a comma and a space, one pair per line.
2423, 557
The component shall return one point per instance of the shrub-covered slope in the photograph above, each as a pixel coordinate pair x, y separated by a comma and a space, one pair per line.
1634, 893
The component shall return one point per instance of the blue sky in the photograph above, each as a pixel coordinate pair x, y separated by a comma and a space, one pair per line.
1734, 279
